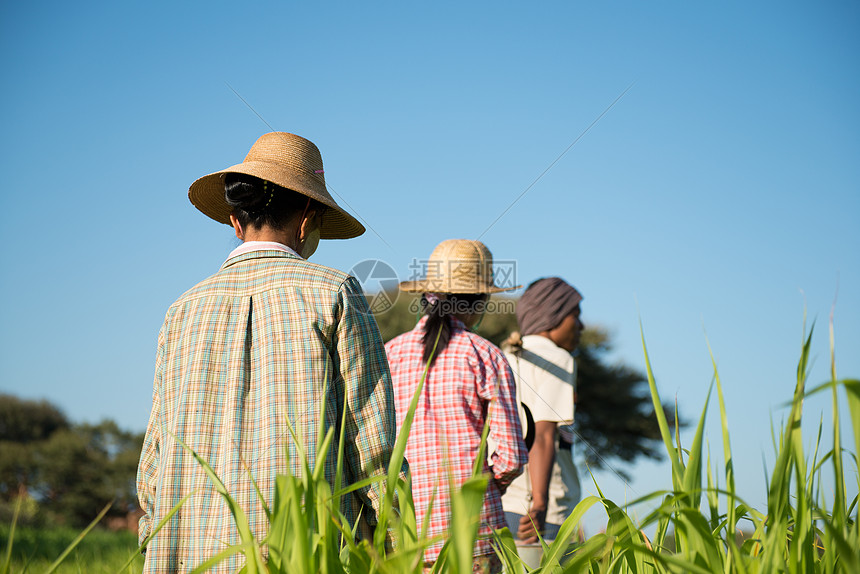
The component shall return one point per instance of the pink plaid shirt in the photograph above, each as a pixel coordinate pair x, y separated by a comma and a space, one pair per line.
469, 381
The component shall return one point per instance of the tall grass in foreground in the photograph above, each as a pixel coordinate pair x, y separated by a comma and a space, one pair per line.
799, 531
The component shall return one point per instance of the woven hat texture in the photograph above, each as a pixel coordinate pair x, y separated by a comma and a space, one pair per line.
286, 160
457, 266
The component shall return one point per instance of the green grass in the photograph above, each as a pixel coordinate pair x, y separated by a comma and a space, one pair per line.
101, 551
808, 526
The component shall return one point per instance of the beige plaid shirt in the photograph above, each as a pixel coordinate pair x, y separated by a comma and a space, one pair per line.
267, 338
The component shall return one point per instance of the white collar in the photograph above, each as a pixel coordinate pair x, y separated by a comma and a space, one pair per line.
249, 246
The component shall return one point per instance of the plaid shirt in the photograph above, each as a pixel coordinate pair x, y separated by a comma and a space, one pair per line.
267, 338
469, 382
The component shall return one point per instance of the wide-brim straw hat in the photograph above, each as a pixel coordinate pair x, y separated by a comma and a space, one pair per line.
458, 266
286, 160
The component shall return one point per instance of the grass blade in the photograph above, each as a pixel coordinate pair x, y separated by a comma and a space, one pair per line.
157, 528
8, 560
665, 433
77, 540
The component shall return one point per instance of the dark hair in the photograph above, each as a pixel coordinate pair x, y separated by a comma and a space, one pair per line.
257, 202
439, 313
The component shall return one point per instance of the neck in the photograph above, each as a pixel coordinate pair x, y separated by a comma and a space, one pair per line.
547, 335
286, 236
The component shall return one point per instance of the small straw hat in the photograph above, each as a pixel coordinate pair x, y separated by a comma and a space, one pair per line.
458, 266
287, 160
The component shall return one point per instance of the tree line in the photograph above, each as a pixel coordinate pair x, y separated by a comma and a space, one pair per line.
66, 472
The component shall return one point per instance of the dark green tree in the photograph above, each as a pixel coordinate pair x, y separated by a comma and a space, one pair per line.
81, 469
615, 416
26, 421
71, 471
23, 426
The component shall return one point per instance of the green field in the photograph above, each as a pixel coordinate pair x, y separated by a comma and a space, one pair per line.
101, 551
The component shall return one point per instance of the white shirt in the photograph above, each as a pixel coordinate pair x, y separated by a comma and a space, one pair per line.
545, 379
546, 375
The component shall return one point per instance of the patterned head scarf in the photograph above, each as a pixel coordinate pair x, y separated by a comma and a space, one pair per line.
544, 305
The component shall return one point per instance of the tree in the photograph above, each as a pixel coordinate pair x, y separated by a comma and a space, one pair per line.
615, 417
23, 424
70, 471
25, 421
79, 470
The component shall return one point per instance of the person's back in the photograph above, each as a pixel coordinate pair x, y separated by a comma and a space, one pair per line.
469, 384
256, 348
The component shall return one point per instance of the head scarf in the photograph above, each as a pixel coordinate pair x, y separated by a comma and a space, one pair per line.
544, 305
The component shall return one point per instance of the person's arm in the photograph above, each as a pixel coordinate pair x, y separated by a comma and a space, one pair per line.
368, 397
510, 455
541, 459
147, 469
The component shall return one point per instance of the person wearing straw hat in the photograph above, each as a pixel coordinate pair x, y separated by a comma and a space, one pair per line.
468, 384
270, 341
544, 496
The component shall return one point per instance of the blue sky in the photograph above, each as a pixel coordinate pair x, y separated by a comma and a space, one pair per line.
720, 195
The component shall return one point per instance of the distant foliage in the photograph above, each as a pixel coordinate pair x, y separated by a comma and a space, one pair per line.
614, 411
67, 473
24, 427
23, 421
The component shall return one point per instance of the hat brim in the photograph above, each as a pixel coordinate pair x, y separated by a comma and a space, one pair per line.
207, 195
440, 287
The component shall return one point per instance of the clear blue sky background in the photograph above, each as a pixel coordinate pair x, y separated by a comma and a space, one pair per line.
720, 194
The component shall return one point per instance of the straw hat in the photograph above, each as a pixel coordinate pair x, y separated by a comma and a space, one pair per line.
458, 266
286, 160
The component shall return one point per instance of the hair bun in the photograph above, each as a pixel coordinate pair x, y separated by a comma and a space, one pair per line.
514, 342
247, 193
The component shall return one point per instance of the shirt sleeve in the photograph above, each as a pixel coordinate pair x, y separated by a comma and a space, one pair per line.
510, 454
147, 470
368, 397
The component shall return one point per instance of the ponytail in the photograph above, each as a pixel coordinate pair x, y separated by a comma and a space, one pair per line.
513, 344
437, 329
439, 310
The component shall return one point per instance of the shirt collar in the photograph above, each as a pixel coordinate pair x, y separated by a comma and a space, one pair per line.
250, 246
